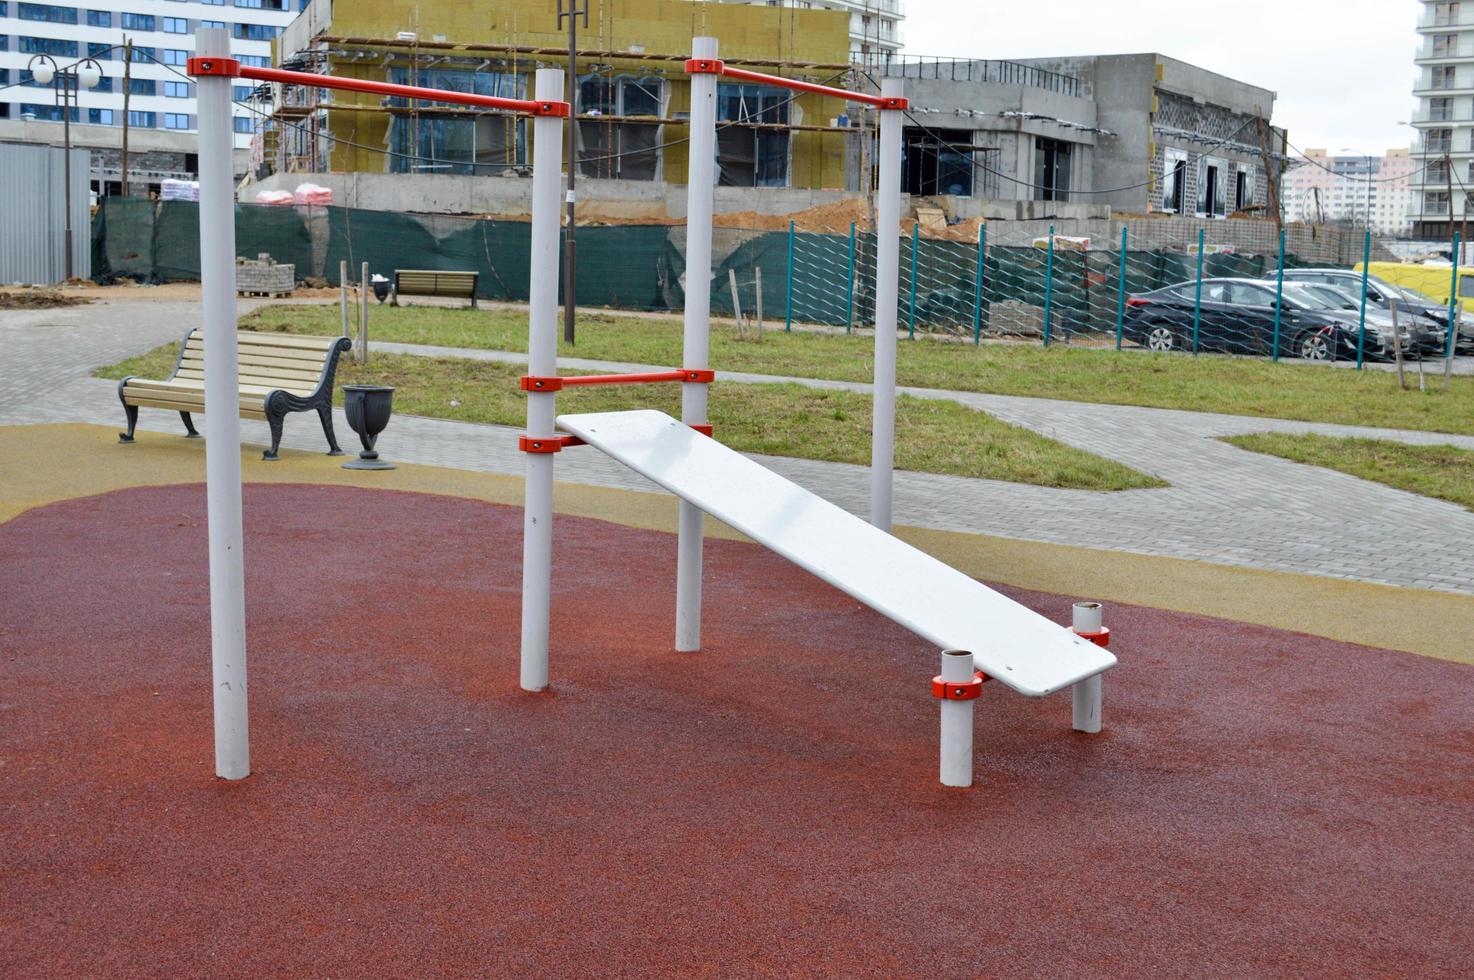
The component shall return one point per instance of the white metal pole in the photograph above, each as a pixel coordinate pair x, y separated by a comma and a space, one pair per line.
700, 181
222, 415
343, 294
887, 292
363, 291
956, 768
542, 361
1085, 695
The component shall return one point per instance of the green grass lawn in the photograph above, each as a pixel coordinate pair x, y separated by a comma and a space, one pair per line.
1444, 472
778, 419
1237, 386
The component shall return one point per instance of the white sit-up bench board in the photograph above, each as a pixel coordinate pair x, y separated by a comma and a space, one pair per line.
1009, 642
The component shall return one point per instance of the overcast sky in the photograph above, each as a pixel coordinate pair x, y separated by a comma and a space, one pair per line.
1342, 70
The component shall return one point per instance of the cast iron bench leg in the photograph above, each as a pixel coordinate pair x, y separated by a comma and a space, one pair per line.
130, 411
189, 424
273, 419
325, 412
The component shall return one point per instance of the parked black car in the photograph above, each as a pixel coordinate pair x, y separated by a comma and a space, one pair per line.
1380, 291
1421, 336
1238, 317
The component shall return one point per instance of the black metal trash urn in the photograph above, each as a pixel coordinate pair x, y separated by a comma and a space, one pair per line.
368, 408
381, 287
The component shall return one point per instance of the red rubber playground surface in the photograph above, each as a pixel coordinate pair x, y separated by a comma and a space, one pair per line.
1261, 802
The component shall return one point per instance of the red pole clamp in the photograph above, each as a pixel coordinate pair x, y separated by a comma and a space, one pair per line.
532, 383
700, 377
228, 67
895, 102
702, 427
550, 109
958, 690
1101, 639
704, 66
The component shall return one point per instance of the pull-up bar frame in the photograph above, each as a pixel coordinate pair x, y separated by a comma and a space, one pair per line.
715, 66
214, 69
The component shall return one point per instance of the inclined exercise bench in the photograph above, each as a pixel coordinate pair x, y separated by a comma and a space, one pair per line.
279, 373
429, 282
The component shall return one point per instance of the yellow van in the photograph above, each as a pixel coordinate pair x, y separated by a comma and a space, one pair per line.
1430, 281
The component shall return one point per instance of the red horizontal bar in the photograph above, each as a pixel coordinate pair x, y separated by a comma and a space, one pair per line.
881, 101
532, 383
233, 68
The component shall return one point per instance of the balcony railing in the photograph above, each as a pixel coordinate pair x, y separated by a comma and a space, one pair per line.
965, 70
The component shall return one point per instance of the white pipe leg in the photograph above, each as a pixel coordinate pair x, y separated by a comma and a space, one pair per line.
222, 417
956, 760
1085, 696
887, 296
701, 179
542, 361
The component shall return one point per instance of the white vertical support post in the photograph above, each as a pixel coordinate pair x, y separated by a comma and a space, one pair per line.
222, 415
542, 361
956, 768
887, 295
343, 294
1085, 695
363, 295
700, 184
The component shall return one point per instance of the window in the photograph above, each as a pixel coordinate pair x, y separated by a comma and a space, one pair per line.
142, 119
1210, 184
1435, 202
253, 4
174, 56
243, 124
1438, 140
255, 32
936, 161
1444, 76
100, 117
1440, 109
444, 144
48, 45
97, 49
1174, 181
748, 157
1445, 45
622, 150
176, 120
1243, 187
1243, 294
217, 24
99, 18
241, 93
176, 25
143, 54
254, 60
1445, 14
46, 113
213, 3
46, 12
142, 86
138, 22
177, 90
1052, 160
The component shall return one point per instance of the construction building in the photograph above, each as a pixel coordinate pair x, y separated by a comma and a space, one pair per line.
875, 25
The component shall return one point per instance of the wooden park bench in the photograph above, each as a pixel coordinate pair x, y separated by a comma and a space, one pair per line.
279, 373
429, 282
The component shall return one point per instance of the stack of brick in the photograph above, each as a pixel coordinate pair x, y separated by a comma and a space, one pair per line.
262, 275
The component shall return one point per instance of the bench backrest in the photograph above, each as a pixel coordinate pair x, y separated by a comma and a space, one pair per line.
268, 360
432, 282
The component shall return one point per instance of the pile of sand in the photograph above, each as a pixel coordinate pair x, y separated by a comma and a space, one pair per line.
37, 299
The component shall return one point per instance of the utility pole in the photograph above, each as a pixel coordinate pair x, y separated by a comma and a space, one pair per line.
575, 9
127, 84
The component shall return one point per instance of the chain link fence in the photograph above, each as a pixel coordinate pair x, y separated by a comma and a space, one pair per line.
1153, 286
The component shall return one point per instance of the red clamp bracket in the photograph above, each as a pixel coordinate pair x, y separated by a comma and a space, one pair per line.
228, 67
1101, 639
702, 427
895, 102
560, 109
704, 66
958, 690
554, 445
699, 377
530, 382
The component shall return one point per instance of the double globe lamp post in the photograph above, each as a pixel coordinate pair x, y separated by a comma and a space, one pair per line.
68, 80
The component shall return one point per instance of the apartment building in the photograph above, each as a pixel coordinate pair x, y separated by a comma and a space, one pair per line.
1444, 151
1364, 191
161, 114
875, 25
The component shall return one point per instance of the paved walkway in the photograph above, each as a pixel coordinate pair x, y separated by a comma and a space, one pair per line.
1225, 505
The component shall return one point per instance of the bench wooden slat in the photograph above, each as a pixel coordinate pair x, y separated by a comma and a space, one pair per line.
288, 356
291, 379
261, 338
